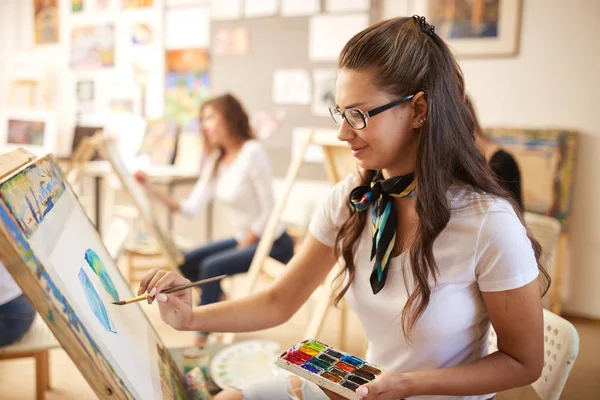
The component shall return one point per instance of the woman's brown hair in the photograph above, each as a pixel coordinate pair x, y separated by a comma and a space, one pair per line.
405, 57
233, 113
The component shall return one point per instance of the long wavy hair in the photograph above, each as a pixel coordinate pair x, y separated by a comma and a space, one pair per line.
405, 57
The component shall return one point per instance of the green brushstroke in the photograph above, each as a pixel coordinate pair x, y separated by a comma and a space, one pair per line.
100, 270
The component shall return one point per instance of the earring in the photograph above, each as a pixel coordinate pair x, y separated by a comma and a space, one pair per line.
420, 122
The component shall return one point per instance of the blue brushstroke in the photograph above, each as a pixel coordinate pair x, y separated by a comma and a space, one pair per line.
99, 269
94, 301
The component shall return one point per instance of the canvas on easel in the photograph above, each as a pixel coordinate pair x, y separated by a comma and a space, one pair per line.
56, 256
110, 152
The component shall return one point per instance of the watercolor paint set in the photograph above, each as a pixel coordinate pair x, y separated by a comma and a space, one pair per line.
327, 367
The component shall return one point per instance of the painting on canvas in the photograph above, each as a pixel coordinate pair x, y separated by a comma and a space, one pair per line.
547, 160
186, 87
76, 281
46, 21
34, 130
92, 46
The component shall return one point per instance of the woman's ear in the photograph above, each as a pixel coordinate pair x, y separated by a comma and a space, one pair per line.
419, 105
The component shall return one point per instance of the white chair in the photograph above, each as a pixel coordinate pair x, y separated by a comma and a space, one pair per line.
561, 345
35, 343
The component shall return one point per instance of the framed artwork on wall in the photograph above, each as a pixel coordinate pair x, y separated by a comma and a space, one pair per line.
474, 28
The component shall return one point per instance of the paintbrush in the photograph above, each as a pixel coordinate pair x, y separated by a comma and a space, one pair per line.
146, 296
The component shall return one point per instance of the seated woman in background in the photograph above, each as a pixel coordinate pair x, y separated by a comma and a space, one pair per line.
503, 164
237, 174
16, 313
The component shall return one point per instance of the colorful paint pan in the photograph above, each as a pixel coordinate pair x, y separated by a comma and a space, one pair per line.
331, 377
333, 353
319, 363
329, 368
357, 362
364, 374
338, 372
327, 359
346, 367
370, 369
309, 351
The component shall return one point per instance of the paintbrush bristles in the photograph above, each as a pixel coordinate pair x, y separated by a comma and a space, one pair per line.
132, 300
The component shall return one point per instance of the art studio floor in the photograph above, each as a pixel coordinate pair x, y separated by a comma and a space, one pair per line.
17, 377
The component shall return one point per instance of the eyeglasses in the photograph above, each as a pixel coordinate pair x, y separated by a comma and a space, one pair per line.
358, 119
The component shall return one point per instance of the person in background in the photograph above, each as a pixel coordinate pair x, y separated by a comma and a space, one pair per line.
237, 175
503, 164
433, 249
16, 313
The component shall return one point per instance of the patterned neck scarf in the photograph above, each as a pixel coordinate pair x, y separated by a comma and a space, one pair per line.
383, 215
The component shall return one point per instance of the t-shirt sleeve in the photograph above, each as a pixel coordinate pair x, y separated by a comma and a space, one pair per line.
333, 212
504, 257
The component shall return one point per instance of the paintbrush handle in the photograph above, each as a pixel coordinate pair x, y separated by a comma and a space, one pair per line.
193, 284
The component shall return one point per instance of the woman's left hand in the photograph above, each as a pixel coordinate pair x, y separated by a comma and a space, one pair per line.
390, 385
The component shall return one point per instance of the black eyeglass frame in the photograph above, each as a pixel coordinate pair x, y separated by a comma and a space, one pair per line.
368, 114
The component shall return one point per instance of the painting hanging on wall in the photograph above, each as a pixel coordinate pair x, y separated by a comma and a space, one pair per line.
93, 47
46, 21
56, 256
77, 5
186, 87
474, 28
34, 130
137, 3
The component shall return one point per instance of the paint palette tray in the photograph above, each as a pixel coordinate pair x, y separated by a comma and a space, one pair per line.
327, 367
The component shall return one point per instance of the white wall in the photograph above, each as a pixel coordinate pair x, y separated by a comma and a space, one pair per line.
553, 82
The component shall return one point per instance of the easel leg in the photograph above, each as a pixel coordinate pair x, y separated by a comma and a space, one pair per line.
557, 278
42, 372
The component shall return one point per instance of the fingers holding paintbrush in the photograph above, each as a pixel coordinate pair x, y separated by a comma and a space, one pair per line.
157, 284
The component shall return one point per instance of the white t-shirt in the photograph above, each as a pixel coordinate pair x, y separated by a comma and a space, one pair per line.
484, 248
9, 290
243, 187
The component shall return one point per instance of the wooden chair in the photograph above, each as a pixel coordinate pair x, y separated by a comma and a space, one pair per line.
36, 343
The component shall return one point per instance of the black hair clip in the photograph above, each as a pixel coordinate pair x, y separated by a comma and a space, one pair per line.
424, 25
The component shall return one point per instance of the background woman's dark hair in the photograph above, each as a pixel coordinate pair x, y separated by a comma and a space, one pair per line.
233, 113
404, 57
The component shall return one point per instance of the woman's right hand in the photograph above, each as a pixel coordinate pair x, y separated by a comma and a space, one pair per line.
175, 308
141, 177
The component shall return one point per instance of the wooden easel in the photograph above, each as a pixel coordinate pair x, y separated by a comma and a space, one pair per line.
164, 245
47, 295
82, 155
334, 152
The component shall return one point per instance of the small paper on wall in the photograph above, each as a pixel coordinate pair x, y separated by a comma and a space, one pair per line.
261, 8
187, 27
293, 8
347, 5
323, 90
231, 42
291, 86
329, 33
222, 10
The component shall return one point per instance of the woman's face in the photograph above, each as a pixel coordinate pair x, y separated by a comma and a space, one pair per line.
213, 126
389, 141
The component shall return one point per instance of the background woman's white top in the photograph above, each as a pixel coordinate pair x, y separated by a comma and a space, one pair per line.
244, 187
484, 248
